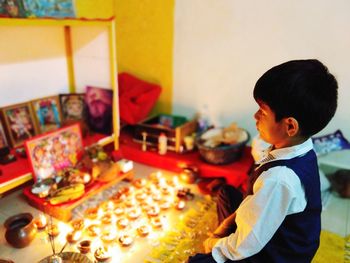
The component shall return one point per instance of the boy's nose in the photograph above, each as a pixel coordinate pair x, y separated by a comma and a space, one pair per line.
256, 115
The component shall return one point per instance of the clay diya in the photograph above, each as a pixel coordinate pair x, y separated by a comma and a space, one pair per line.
156, 222
139, 183
133, 214
143, 230
122, 222
153, 211
78, 224
40, 222
125, 240
73, 236
102, 255
53, 230
84, 246
91, 213
93, 230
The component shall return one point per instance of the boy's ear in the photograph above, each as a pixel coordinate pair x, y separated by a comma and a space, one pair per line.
292, 126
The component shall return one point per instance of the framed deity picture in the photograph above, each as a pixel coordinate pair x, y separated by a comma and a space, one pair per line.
54, 151
3, 139
72, 106
47, 112
20, 123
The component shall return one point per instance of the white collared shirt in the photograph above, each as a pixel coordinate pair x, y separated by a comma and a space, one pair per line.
278, 192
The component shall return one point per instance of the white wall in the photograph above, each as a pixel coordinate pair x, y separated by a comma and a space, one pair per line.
33, 61
91, 57
222, 47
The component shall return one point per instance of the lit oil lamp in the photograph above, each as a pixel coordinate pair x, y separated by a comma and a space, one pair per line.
102, 254
156, 196
143, 230
134, 213
153, 211
93, 230
125, 240
78, 224
91, 213
119, 210
53, 230
139, 183
122, 222
73, 236
108, 236
180, 204
130, 202
107, 218
165, 190
164, 204
41, 222
156, 222
141, 196
107, 206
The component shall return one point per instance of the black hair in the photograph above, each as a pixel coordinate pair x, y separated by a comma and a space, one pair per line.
302, 89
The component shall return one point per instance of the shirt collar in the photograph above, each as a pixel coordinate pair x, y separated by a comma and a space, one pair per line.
288, 152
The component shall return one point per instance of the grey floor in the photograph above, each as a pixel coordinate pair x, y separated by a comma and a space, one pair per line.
336, 214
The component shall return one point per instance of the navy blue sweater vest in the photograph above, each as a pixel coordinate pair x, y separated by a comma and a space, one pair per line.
297, 239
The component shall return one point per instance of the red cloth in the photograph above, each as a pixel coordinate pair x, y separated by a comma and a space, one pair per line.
136, 98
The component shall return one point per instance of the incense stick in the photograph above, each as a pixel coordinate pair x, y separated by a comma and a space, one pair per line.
51, 237
64, 246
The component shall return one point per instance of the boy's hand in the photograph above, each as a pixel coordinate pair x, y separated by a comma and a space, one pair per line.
209, 243
225, 228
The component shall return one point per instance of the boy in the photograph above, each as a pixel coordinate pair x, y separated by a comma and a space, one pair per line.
279, 219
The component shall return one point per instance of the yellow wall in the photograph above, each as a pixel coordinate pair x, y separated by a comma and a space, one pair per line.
94, 8
145, 43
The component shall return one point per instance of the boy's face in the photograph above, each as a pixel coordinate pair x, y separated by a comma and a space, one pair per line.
270, 131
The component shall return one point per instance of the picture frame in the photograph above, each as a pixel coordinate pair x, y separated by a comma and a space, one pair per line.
99, 104
20, 123
47, 112
3, 140
54, 151
72, 106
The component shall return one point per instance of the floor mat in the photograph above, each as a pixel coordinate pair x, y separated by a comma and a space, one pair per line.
332, 248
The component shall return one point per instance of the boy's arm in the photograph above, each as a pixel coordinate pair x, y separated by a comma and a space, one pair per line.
224, 228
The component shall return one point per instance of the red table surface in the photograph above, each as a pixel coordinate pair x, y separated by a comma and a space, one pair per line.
235, 173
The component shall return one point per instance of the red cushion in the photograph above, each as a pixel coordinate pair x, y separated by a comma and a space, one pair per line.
136, 98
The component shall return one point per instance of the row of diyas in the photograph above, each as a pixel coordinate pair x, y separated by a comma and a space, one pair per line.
135, 212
